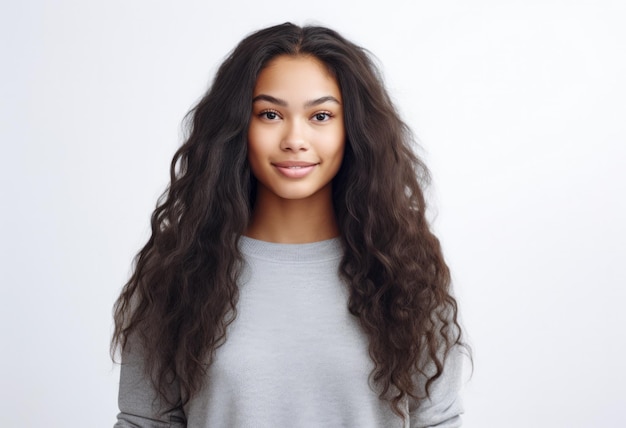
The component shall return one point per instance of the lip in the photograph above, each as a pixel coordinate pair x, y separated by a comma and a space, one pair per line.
292, 164
295, 169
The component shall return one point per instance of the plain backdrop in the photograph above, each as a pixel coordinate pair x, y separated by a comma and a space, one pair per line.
519, 107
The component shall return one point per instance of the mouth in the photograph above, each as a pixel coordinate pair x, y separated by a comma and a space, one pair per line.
293, 169
294, 164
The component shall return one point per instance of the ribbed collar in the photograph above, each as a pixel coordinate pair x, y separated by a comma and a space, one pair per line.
310, 252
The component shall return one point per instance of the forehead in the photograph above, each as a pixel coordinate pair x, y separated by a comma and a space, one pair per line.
295, 76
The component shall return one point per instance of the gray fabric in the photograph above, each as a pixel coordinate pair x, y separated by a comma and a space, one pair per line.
294, 357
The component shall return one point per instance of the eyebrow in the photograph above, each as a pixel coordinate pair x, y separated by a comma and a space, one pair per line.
283, 103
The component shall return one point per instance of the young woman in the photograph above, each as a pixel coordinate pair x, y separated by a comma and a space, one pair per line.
291, 279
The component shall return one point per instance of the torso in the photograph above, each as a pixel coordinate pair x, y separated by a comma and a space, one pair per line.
294, 356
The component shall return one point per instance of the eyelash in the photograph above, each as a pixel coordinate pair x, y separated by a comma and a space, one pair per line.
328, 114
265, 113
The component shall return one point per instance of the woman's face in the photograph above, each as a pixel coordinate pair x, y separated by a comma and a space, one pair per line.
296, 136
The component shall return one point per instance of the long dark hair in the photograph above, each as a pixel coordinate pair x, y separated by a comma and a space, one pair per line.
183, 293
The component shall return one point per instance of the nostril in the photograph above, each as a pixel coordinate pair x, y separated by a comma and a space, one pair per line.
294, 145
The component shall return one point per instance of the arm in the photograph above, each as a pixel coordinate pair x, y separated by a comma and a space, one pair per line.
444, 407
140, 406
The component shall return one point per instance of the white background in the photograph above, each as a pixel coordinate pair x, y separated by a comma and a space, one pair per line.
520, 108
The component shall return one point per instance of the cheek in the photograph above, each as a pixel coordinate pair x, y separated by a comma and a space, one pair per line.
253, 137
333, 146
261, 134
256, 145
255, 160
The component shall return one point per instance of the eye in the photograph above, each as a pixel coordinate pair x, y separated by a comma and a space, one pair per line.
269, 115
322, 116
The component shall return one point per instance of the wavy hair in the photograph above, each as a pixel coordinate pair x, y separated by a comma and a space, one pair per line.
183, 292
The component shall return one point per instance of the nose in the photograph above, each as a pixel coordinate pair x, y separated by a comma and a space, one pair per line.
294, 139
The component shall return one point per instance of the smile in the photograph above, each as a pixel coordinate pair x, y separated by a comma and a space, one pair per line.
295, 169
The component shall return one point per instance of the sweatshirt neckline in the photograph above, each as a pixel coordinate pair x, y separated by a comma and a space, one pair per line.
328, 249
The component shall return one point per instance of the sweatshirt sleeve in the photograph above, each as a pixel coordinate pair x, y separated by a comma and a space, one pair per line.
139, 403
444, 407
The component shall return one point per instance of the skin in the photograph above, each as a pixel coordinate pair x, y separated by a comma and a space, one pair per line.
297, 117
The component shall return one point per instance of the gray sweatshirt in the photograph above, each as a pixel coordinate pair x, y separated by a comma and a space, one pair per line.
294, 357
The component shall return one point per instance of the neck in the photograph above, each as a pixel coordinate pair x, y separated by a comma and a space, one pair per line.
290, 221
